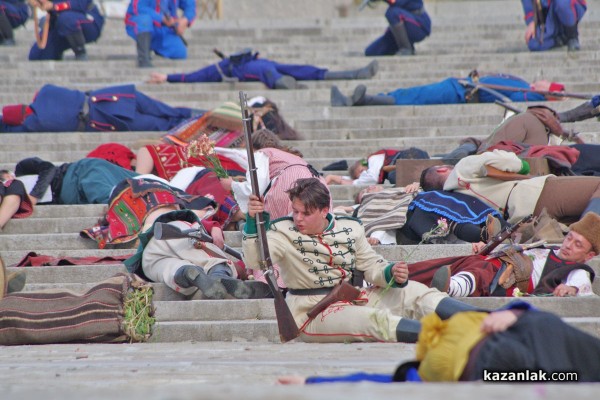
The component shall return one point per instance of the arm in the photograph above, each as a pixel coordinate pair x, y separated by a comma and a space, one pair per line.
371, 175
45, 170
578, 283
242, 190
528, 11
499, 321
250, 244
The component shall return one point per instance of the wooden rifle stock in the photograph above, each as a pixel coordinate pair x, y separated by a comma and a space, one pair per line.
503, 235
288, 330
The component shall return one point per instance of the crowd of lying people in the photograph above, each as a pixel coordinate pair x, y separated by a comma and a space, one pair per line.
198, 178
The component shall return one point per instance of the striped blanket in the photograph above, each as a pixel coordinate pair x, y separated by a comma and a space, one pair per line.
385, 210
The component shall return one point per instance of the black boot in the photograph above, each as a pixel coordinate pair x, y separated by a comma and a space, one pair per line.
360, 98
77, 42
408, 330
449, 306
572, 35
286, 82
143, 41
6, 31
192, 275
362, 73
462, 151
405, 47
579, 113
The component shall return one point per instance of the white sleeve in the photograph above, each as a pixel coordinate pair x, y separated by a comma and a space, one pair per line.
371, 175
242, 190
580, 279
385, 237
184, 177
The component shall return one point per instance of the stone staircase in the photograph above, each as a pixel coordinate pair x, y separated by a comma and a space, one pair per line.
490, 41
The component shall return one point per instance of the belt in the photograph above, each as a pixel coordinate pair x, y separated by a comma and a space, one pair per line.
310, 292
84, 114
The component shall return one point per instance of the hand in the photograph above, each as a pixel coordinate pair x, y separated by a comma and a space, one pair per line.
182, 25
217, 236
291, 380
168, 21
412, 188
255, 205
499, 321
563, 290
226, 183
156, 77
400, 272
530, 32
373, 241
477, 247
46, 5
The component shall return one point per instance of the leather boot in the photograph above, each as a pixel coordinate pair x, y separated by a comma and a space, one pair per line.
6, 31
15, 281
192, 275
77, 42
462, 151
362, 73
572, 35
360, 98
286, 82
143, 41
407, 330
449, 306
581, 112
405, 47
338, 99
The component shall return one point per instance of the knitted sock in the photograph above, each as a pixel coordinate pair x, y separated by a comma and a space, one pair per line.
461, 284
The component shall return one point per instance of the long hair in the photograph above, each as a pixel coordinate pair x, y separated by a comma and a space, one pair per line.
263, 138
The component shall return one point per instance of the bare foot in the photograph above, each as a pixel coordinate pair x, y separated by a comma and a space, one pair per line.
291, 380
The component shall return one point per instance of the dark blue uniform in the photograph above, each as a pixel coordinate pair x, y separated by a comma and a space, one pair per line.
117, 108
147, 15
559, 14
250, 69
16, 11
67, 18
450, 91
416, 20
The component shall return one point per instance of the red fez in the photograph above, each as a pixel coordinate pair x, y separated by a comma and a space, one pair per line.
557, 87
15, 114
115, 153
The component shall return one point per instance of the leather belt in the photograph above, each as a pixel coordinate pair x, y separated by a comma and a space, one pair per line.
310, 292
84, 114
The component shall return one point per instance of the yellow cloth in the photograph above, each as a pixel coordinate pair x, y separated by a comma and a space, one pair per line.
443, 347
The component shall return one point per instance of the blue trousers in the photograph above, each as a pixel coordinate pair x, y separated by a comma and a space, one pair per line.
165, 42
560, 14
67, 23
17, 14
418, 28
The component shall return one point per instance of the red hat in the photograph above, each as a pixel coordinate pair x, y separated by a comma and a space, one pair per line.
115, 153
15, 114
556, 87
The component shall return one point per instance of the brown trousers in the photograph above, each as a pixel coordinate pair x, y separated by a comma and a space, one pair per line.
566, 197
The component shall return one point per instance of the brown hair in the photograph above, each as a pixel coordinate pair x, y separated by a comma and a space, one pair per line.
311, 192
264, 138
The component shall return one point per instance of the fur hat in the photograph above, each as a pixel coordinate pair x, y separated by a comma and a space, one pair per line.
589, 227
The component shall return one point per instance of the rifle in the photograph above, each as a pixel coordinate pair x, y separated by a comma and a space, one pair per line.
503, 235
508, 107
288, 329
538, 19
164, 231
480, 85
365, 3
